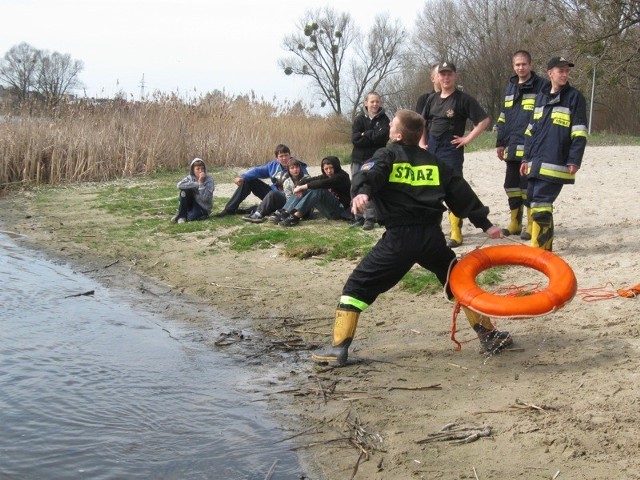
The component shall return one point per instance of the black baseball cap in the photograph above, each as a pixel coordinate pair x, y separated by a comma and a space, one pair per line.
444, 66
559, 62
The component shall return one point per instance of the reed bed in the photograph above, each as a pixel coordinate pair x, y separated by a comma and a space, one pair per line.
91, 141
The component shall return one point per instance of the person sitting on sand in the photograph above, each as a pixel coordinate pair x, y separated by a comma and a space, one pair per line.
196, 194
329, 193
272, 203
250, 182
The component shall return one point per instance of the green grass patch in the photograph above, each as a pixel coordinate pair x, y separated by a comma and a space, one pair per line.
342, 151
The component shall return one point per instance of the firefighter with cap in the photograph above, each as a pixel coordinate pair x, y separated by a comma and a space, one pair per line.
554, 146
446, 114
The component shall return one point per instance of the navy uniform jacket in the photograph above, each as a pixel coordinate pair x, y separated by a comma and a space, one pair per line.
557, 135
516, 113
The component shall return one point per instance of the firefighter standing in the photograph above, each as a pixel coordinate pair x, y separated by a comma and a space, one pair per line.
517, 109
554, 147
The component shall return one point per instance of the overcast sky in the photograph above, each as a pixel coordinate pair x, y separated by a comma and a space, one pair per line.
185, 46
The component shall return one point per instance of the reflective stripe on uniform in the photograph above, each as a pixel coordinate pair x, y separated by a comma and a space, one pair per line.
578, 131
561, 116
508, 101
541, 207
528, 101
513, 192
354, 302
537, 113
415, 175
556, 171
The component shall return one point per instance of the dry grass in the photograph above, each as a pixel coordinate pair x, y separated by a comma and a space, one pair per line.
96, 142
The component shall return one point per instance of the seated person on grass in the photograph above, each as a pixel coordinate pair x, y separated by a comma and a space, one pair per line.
196, 194
329, 193
250, 182
272, 203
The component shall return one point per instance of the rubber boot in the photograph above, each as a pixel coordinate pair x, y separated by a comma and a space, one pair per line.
542, 232
515, 226
526, 232
491, 339
455, 239
343, 331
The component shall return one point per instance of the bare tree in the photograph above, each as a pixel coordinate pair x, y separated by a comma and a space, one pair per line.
18, 69
319, 50
57, 76
328, 42
376, 60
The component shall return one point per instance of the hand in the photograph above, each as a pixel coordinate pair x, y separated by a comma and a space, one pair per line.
459, 141
238, 181
500, 153
359, 203
202, 177
300, 189
523, 169
573, 169
494, 232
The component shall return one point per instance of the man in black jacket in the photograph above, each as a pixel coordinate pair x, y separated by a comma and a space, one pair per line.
408, 186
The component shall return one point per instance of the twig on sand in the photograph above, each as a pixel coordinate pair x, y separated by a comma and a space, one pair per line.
458, 434
457, 366
475, 474
232, 286
435, 386
518, 407
556, 475
106, 266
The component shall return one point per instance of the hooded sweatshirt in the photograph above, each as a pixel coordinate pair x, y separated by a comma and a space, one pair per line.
339, 183
203, 193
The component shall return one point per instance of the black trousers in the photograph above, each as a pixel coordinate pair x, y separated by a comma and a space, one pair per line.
392, 257
257, 187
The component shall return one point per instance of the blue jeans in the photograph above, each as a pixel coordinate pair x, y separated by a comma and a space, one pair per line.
188, 207
323, 200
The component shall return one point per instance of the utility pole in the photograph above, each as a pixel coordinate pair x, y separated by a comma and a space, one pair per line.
142, 88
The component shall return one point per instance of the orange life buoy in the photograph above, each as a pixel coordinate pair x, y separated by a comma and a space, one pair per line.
561, 289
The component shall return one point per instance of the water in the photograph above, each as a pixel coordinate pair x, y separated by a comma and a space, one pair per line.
93, 387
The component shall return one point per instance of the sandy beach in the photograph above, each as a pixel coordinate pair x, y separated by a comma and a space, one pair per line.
563, 403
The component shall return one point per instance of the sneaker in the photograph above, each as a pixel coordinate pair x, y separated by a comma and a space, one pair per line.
368, 225
182, 220
246, 210
278, 216
453, 243
358, 222
174, 219
255, 217
290, 221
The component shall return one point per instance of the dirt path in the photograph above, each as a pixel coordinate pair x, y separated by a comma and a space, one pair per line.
565, 399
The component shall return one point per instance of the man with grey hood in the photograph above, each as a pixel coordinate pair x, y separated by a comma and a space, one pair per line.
196, 194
